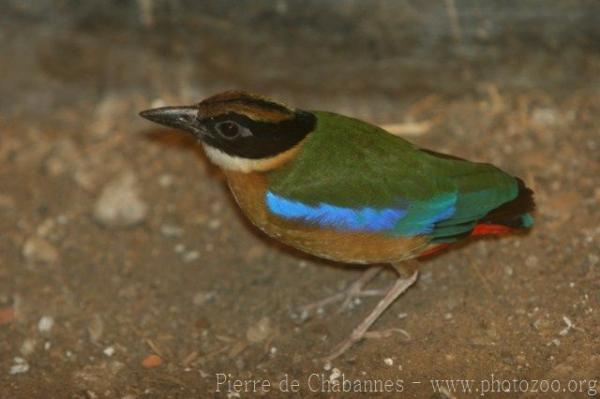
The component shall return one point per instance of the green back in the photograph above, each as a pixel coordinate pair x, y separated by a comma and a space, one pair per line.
349, 163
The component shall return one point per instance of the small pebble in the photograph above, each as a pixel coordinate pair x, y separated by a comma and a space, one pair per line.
7, 315
45, 324
202, 297
259, 331
27, 347
62, 158
98, 377
171, 231
120, 203
214, 224
109, 351
304, 315
191, 256
96, 328
531, 261
541, 324
45, 228
39, 250
20, 366
545, 116
104, 121
388, 361
152, 361
165, 181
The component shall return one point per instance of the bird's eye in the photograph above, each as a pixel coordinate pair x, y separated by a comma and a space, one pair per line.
231, 130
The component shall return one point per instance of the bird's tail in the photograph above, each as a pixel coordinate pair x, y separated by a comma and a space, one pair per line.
515, 214
512, 216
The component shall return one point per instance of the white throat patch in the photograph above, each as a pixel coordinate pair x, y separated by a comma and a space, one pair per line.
246, 165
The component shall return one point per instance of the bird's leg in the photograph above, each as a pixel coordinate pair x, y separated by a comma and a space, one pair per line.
401, 285
352, 292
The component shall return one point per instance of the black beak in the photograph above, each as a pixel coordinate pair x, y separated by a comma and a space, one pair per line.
184, 118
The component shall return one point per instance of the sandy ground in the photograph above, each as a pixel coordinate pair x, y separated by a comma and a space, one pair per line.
126, 270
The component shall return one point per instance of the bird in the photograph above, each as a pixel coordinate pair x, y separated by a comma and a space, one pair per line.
346, 190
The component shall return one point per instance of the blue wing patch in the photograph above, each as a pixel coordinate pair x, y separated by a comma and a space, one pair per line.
415, 219
361, 219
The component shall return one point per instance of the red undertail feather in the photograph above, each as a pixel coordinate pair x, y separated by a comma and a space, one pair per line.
486, 228
481, 229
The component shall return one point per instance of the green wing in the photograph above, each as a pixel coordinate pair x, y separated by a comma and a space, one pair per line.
347, 165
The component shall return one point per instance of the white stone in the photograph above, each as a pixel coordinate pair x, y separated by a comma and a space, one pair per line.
45, 324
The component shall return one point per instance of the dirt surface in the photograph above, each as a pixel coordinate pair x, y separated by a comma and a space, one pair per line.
127, 271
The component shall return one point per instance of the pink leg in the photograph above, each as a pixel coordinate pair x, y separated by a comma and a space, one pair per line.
399, 287
354, 291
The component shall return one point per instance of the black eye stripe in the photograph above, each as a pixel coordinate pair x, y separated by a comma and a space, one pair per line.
259, 139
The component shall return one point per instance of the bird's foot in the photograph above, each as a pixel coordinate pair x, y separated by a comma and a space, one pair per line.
352, 293
361, 331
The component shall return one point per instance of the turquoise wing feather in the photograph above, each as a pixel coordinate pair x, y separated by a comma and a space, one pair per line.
351, 175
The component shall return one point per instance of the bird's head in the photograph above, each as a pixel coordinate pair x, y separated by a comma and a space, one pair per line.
240, 131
